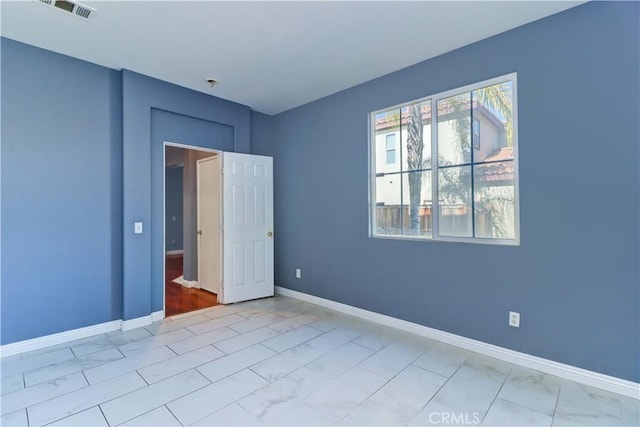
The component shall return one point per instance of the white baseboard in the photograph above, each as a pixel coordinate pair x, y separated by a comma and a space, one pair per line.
139, 322
190, 284
59, 338
573, 373
157, 315
186, 283
176, 252
76, 334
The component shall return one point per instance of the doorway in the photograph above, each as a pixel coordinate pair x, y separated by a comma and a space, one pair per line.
184, 290
238, 204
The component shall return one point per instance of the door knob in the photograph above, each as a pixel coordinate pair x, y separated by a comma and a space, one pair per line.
200, 232
270, 233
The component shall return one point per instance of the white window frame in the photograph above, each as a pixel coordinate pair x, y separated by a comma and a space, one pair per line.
433, 99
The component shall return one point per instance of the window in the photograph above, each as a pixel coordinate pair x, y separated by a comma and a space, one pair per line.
476, 133
391, 148
431, 176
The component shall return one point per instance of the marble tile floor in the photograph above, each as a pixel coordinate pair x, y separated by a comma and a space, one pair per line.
280, 361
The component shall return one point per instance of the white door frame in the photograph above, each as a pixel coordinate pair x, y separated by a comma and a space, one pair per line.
166, 144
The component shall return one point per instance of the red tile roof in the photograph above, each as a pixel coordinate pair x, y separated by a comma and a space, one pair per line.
501, 173
391, 120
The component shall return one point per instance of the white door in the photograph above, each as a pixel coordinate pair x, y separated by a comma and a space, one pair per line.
247, 227
208, 220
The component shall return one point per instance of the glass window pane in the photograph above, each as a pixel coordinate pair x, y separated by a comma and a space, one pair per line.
388, 205
391, 141
416, 203
386, 129
454, 130
454, 198
416, 136
391, 156
494, 200
493, 123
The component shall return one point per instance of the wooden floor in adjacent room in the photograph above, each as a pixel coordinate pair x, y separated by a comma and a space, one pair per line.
180, 299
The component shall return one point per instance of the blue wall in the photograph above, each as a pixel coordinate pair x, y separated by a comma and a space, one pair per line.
574, 278
61, 193
143, 136
262, 134
81, 161
173, 203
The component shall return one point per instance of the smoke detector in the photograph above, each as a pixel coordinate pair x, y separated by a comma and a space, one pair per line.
72, 7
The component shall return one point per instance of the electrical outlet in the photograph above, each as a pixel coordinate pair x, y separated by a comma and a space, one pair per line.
298, 273
137, 227
514, 319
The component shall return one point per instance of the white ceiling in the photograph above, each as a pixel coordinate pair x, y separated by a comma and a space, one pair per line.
271, 56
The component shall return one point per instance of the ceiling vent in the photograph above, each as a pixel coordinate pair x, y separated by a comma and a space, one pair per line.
71, 7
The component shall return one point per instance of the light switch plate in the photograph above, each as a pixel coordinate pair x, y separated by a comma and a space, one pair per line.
137, 227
